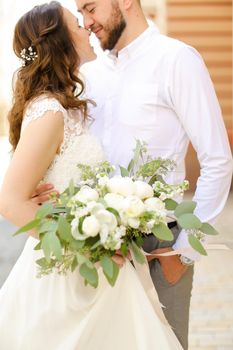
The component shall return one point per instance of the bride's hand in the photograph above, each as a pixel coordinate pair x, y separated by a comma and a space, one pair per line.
120, 259
43, 193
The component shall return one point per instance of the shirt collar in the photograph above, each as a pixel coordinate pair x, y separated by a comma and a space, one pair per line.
135, 46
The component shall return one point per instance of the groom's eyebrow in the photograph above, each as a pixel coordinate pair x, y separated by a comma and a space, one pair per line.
86, 5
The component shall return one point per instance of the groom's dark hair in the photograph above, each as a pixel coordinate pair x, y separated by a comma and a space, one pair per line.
53, 71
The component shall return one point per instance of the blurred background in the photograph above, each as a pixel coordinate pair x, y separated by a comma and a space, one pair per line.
206, 25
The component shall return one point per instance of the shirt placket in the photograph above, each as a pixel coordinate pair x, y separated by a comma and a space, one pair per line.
109, 114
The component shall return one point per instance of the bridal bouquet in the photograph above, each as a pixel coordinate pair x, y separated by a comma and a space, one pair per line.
102, 214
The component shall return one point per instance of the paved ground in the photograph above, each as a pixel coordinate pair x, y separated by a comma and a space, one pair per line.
211, 319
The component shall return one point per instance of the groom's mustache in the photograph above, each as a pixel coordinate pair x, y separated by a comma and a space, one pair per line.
94, 29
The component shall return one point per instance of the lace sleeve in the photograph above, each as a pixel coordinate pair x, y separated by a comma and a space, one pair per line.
37, 108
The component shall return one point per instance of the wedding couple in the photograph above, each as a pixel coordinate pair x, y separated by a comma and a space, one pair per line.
148, 87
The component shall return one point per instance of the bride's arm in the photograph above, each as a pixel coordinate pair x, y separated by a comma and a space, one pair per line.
35, 151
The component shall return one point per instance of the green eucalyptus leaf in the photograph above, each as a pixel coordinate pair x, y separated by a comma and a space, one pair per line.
90, 275
140, 258
152, 180
44, 210
64, 229
38, 246
124, 249
59, 210
76, 245
116, 270
74, 264
208, 229
48, 226
170, 204
185, 207
29, 226
162, 232
51, 246
189, 221
124, 172
131, 165
107, 265
44, 263
81, 259
196, 244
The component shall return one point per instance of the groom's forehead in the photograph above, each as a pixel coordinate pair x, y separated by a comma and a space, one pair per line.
83, 4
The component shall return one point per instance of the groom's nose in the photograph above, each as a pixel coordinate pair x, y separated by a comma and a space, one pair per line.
88, 22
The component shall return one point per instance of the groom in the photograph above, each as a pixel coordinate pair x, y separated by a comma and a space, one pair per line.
157, 89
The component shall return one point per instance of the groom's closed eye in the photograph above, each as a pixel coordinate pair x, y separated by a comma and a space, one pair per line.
89, 7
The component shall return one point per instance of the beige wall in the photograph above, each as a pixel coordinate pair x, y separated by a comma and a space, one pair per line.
206, 25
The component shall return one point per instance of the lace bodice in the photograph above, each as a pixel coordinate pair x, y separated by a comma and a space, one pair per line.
78, 146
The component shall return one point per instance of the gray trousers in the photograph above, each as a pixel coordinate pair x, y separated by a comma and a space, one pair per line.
175, 298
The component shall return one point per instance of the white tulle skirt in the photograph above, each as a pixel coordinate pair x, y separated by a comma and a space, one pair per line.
61, 313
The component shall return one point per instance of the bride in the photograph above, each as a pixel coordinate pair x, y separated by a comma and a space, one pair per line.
50, 135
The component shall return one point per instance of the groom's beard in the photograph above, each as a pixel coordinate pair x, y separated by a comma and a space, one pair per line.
114, 27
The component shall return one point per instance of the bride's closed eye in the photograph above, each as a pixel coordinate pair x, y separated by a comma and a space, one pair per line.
79, 25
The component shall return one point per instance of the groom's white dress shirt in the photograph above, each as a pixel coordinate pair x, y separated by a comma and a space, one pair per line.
158, 90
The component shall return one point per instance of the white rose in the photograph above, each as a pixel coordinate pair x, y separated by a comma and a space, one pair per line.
134, 222
121, 185
154, 204
114, 200
106, 218
90, 226
133, 206
143, 190
87, 194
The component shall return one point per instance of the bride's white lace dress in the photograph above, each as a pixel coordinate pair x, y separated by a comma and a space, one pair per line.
59, 312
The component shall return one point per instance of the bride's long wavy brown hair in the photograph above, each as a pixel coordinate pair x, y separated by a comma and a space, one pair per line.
53, 72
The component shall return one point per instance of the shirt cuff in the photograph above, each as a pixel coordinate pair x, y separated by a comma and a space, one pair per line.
182, 242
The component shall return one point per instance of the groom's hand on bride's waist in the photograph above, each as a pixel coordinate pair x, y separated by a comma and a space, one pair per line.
171, 265
44, 193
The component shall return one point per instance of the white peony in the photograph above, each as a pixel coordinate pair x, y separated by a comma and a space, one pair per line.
114, 200
104, 234
154, 204
133, 206
91, 226
121, 185
87, 194
106, 218
75, 231
143, 190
